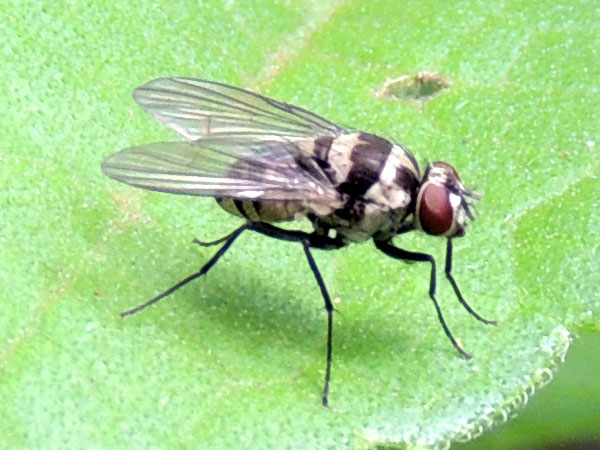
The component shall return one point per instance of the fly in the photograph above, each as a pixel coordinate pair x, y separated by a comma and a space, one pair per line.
268, 162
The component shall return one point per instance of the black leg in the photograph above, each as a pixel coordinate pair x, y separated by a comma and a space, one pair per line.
455, 286
405, 255
315, 240
229, 240
329, 308
308, 241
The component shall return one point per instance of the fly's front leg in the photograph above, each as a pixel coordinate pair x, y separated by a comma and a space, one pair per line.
398, 253
462, 301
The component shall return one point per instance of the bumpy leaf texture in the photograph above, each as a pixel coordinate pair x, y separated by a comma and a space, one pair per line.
237, 359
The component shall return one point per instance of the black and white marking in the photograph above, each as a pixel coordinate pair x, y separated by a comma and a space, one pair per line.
268, 162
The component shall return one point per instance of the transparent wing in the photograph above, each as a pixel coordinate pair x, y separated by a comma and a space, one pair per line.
198, 109
219, 167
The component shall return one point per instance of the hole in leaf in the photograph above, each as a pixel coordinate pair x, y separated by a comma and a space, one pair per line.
421, 87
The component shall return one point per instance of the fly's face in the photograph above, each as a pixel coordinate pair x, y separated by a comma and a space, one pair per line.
442, 208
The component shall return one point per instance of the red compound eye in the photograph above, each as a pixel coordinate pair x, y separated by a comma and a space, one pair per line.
435, 211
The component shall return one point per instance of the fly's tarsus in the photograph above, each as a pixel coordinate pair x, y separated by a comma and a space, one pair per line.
448, 271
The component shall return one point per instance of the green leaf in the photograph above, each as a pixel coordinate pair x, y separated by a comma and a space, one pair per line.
237, 359
563, 416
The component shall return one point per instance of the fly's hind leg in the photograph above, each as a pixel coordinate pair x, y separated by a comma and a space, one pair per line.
308, 240
228, 240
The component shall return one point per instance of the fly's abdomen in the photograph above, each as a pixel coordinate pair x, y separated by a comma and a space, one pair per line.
262, 210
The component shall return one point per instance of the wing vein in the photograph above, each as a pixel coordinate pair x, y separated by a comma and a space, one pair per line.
253, 111
275, 103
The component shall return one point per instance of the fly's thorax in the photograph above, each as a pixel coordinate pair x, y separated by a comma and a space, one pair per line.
263, 210
392, 198
398, 182
441, 208
364, 166
332, 155
377, 182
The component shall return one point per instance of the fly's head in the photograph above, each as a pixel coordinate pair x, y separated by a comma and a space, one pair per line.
442, 207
